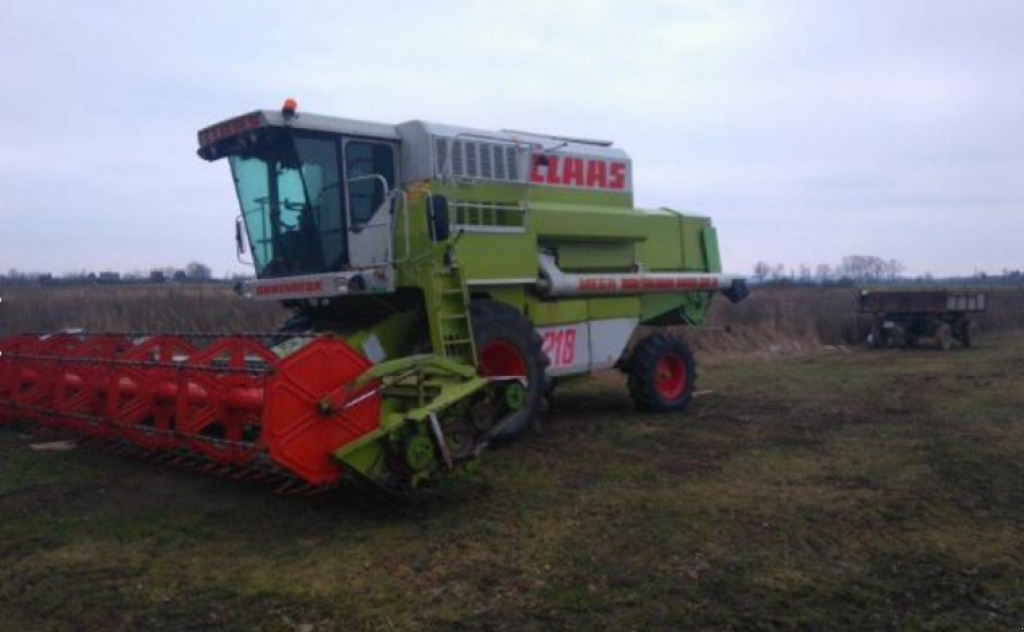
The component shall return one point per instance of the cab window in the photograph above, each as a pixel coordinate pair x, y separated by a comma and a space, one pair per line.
365, 194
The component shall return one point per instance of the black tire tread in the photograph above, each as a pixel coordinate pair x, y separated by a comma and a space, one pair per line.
642, 368
489, 317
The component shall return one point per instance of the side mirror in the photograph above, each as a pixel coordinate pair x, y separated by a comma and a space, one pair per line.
437, 216
239, 239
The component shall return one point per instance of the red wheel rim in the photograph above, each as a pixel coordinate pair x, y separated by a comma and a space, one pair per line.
670, 377
499, 358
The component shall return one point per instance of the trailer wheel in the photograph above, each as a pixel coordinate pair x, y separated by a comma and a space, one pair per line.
897, 336
877, 339
507, 345
944, 336
969, 332
661, 373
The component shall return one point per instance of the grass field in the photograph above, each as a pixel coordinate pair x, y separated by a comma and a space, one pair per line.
866, 491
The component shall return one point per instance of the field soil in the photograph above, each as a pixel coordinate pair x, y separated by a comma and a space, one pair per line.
828, 491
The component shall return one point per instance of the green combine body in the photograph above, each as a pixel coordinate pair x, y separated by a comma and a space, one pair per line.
473, 269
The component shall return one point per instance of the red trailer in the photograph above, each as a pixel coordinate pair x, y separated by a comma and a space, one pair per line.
902, 317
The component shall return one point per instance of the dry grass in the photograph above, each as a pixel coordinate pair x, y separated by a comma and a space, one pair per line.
189, 308
770, 323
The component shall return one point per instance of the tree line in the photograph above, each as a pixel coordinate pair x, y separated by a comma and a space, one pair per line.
864, 270
194, 272
851, 270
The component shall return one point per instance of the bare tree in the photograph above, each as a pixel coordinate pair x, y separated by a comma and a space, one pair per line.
824, 273
761, 271
869, 268
805, 273
196, 271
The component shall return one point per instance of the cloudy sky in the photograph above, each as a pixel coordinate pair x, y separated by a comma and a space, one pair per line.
807, 129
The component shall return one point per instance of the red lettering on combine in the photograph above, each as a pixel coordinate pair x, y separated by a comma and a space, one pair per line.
568, 353
553, 170
295, 287
596, 285
536, 175
560, 346
229, 128
579, 172
658, 284
631, 283
597, 173
617, 180
573, 174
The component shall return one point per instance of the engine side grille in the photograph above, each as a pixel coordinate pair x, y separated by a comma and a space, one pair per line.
477, 159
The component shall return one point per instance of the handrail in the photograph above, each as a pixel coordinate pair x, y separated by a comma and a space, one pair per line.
404, 211
463, 209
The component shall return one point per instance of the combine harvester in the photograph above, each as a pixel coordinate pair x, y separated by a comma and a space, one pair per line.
442, 280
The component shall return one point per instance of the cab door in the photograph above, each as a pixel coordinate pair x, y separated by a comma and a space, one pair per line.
370, 175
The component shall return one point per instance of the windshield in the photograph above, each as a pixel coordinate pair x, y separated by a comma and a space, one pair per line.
290, 194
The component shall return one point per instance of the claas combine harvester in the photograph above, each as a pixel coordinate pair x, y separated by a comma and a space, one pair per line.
442, 280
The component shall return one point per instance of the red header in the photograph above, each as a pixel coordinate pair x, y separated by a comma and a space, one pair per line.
579, 172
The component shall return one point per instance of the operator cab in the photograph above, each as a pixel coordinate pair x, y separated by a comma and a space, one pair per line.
317, 199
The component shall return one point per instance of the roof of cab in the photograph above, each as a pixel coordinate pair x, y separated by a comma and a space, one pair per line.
322, 123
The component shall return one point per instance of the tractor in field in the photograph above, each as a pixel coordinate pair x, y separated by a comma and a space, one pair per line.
442, 281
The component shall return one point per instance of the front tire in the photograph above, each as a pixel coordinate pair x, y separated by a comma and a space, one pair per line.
297, 324
507, 345
662, 374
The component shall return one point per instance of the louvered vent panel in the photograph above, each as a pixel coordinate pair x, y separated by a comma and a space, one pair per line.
486, 162
476, 159
441, 155
458, 167
499, 162
512, 159
471, 160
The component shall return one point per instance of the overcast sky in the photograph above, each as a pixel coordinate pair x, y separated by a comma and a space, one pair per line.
807, 130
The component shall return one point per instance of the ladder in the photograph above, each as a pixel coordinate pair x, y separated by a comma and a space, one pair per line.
451, 331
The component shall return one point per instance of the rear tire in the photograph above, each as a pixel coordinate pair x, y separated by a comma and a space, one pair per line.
662, 374
506, 345
969, 333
